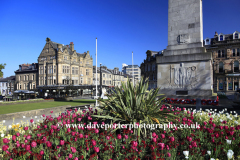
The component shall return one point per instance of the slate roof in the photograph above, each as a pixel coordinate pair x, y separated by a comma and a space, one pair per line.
7, 79
55, 44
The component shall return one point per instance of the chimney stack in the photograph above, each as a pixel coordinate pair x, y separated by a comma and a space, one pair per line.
72, 46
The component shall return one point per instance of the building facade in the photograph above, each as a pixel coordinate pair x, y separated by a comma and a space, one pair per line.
225, 49
62, 65
149, 68
7, 85
132, 70
26, 77
110, 77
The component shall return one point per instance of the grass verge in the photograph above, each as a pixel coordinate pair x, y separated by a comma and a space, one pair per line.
5, 109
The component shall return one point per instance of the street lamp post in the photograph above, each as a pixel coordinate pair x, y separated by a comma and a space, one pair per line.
132, 69
96, 72
100, 79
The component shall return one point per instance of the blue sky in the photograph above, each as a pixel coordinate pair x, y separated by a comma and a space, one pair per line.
121, 26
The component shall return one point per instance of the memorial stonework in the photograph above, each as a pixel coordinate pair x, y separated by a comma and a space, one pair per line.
185, 68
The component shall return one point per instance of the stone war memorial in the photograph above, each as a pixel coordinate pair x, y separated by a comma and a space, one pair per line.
185, 68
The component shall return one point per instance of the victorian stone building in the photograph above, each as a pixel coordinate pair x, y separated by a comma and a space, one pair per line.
149, 68
61, 65
26, 77
225, 49
110, 77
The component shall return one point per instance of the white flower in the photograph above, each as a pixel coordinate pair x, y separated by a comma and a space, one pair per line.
230, 154
209, 152
3, 121
200, 114
215, 110
9, 127
220, 120
212, 159
236, 122
234, 111
186, 153
2, 135
236, 115
24, 117
229, 141
35, 116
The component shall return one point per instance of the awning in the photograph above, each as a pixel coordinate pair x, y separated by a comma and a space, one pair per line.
23, 91
237, 74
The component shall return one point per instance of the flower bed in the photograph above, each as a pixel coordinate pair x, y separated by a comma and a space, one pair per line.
191, 101
217, 137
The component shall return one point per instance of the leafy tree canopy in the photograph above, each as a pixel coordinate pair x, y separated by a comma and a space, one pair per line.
2, 66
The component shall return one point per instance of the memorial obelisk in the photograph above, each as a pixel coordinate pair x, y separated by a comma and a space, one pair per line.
185, 68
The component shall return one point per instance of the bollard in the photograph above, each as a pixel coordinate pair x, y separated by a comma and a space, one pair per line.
198, 104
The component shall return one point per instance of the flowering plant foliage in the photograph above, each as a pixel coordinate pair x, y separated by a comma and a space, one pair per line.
52, 139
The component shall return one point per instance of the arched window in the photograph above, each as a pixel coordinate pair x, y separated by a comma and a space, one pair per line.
221, 37
233, 52
236, 35
223, 54
219, 53
220, 67
236, 66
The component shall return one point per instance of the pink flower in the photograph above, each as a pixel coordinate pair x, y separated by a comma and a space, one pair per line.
154, 139
5, 147
162, 136
68, 130
51, 111
79, 119
18, 134
73, 150
31, 120
94, 142
126, 136
41, 152
169, 154
107, 137
89, 118
62, 142
28, 137
189, 139
154, 134
25, 141
43, 116
96, 131
45, 126
26, 128
18, 145
80, 135
49, 144
73, 133
5, 140
33, 144
27, 147
172, 139
75, 158
161, 145
70, 155
86, 136
190, 146
119, 136
134, 143
96, 149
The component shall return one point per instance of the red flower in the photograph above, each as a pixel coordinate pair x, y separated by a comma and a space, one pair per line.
49, 144
27, 147
31, 120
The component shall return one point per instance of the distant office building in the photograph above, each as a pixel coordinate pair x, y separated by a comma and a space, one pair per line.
132, 70
149, 68
26, 77
225, 49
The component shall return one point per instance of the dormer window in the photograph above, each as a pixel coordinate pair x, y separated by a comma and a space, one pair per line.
221, 37
236, 35
207, 41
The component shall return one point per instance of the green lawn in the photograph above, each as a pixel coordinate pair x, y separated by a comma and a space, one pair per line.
33, 106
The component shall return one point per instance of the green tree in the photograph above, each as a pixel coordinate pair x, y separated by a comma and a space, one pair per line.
2, 66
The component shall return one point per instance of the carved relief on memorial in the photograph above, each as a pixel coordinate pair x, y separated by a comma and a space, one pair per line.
183, 77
